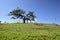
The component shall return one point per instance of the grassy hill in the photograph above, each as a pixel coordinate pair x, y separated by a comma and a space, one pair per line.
29, 32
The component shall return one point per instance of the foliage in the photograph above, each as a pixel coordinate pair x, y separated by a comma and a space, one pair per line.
17, 13
20, 13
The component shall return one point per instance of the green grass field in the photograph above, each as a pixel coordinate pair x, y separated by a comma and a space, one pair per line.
29, 32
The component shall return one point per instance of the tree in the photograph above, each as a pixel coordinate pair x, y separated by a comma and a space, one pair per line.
17, 13
31, 16
20, 14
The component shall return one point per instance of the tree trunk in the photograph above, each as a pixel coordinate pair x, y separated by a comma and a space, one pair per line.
23, 20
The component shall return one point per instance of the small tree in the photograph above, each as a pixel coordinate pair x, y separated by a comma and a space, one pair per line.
0, 22
31, 16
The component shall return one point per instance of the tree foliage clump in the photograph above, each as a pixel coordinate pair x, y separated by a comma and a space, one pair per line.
20, 13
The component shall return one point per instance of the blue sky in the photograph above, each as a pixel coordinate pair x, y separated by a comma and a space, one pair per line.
45, 10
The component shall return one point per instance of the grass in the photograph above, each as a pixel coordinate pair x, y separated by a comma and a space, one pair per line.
29, 32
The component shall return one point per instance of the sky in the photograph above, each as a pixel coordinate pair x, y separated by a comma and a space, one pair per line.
47, 11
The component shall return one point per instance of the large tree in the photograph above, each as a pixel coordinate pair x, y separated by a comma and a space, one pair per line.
20, 13
17, 13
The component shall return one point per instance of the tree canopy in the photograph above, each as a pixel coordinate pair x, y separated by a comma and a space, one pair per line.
20, 13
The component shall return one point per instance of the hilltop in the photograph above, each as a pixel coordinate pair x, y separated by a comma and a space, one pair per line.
18, 31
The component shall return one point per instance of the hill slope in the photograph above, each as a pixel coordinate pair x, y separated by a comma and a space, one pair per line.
29, 32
